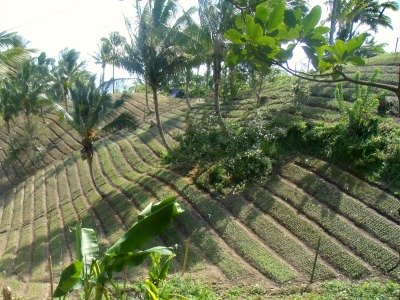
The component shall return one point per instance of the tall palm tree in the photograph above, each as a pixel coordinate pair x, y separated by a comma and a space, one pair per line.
371, 13
216, 17
65, 73
114, 43
159, 47
103, 57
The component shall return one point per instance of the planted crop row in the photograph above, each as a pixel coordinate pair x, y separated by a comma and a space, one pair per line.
98, 201
372, 196
40, 242
77, 196
7, 208
69, 215
58, 246
232, 232
371, 251
211, 244
23, 259
114, 159
13, 239
383, 229
337, 255
276, 237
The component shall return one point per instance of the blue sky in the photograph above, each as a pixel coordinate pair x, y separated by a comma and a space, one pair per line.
51, 25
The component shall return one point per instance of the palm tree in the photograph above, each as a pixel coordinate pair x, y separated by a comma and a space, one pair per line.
132, 59
28, 90
9, 108
94, 112
103, 57
216, 16
12, 53
114, 44
66, 72
354, 13
158, 48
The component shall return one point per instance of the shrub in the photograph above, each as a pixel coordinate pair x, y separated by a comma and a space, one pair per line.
241, 154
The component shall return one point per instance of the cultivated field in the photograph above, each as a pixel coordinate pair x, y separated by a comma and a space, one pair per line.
267, 234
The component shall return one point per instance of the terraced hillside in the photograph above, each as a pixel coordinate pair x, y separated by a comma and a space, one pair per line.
266, 234
54, 140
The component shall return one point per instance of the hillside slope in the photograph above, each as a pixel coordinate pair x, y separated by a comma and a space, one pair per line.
267, 234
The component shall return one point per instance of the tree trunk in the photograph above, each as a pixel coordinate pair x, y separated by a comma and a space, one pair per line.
159, 125
187, 80
207, 75
217, 61
113, 65
41, 114
398, 90
146, 95
103, 73
333, 21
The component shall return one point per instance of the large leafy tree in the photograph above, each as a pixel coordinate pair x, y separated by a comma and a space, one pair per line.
158, 47
268, 38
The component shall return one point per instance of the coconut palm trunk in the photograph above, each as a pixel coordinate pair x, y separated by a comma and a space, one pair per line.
217, 61
398, 90
333, 21
187, 80
158, 119
146, 95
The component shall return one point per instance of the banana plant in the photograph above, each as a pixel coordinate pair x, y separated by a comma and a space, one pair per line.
93, 272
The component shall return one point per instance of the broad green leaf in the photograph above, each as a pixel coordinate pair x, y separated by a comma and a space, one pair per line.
257, 32
355, 43
290, 19
234, 36
356, 60
321, 30
118, 262
339, 48
298, 13
249, 25
312, 56
70, 279
266, 41
276, 17
261, 13
151, 222
87, 247
311, 20
240, 24
293, 33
